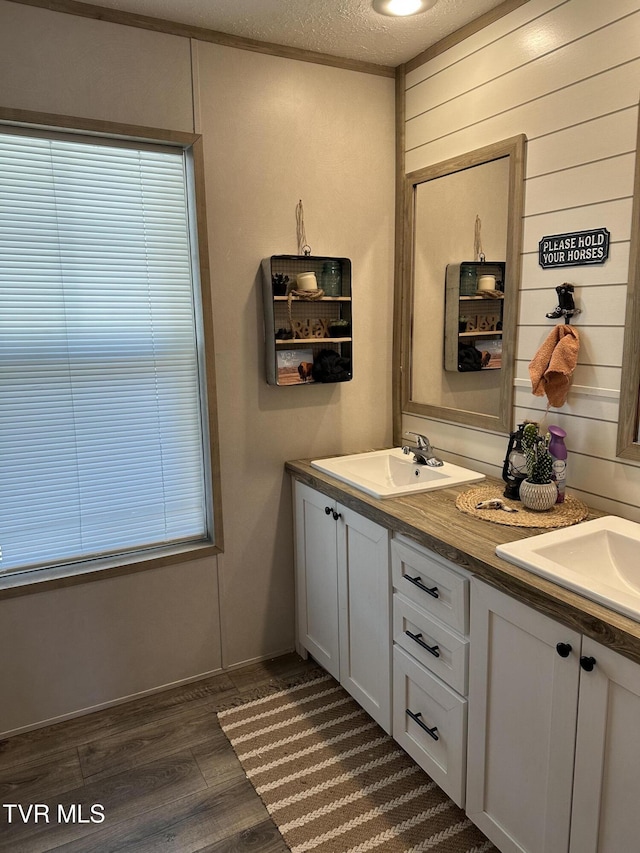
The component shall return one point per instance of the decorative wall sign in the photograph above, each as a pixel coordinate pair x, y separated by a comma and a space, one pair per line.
574, 249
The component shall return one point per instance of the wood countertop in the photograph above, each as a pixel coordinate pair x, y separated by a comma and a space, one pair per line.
433, 520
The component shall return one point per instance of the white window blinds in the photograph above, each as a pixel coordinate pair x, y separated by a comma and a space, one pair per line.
101, 437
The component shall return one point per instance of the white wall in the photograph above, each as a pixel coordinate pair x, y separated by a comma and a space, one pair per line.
292, 131
79, 67
275, 130
566, 74
81, 647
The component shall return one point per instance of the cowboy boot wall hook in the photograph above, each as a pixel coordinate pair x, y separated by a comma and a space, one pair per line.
562, 290
566, 306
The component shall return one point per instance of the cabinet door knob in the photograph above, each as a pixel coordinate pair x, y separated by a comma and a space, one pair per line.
425, 728
329, 510
587, 663
564, 649
434, 650
417, 581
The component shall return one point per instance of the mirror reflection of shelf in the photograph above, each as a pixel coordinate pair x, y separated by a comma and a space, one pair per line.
322, 299
473, 316
307, 341
480, 298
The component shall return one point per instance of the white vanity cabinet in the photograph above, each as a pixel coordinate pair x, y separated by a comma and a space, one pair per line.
430, 663
343, 597
553, 747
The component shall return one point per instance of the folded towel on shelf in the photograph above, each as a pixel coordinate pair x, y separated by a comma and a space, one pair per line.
552, 366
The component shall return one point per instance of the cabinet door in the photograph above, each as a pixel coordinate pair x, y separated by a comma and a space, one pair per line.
316, 578
429, 722
364, 606
522, 720
605, 817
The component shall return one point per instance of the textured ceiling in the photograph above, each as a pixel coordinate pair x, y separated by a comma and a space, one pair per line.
344, 28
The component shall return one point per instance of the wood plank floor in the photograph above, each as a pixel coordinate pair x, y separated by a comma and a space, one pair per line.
160, 768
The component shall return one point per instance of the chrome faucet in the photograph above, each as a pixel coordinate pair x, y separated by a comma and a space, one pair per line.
422, 452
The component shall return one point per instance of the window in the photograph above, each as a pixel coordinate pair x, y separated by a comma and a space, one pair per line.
104, 445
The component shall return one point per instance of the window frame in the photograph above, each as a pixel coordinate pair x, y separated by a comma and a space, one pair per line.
191, 144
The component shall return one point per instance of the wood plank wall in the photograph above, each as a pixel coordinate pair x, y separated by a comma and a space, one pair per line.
567, 74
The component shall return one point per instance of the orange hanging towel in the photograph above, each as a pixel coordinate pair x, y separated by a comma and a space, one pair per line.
552, 366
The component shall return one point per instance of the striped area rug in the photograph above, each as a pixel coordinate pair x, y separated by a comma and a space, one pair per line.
334, 782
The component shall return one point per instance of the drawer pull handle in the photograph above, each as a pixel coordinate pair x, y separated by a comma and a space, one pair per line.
433, 650
433, 591
423, 726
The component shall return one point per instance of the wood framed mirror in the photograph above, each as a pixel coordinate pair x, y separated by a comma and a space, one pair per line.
628, 445
443, 204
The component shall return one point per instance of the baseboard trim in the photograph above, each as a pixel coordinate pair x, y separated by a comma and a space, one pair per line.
112, 703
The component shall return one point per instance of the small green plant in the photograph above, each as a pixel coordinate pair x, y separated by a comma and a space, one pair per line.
536, 451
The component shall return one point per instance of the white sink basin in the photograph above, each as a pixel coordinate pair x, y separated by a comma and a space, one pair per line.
600, 559
391, 473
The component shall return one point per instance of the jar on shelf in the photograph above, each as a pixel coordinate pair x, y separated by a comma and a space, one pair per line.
331, 278
468, 282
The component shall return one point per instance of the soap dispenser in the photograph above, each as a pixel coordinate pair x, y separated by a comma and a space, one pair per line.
558, 451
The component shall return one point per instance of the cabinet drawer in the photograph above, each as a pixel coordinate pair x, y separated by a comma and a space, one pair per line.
442, 754
429, 582
447, 654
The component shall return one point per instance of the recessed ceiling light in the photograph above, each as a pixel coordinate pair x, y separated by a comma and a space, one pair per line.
402, 8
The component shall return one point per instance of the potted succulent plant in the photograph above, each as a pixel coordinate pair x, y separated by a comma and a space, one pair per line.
538, 491
279, 284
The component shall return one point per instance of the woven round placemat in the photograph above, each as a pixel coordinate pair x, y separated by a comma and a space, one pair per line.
561, 515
